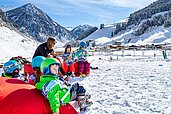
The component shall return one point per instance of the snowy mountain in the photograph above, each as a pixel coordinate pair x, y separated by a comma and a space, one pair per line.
83, 31
150, 25
13, 43
101, 35
69, 28
32, 21
6, 8
77, 31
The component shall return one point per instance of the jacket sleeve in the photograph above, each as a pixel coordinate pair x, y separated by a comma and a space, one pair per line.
64, 57
73, 56
39, 85
78, 53
40, 51
87, 54
53, 96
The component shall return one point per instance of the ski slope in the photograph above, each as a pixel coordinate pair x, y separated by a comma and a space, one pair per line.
155, 35
14, 44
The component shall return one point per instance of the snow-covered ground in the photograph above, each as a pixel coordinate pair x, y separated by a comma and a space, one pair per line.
13, 44
137, 83
155, 35
129, 85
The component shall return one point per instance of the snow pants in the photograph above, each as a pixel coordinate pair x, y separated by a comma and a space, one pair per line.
83, 67
68, 68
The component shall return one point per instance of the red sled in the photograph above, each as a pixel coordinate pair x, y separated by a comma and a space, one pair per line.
18, 97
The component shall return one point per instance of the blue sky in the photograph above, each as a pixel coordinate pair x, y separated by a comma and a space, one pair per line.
71, 13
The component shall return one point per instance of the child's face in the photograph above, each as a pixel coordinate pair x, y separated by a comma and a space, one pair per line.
83, 48
68, 50
54, 69
16, 72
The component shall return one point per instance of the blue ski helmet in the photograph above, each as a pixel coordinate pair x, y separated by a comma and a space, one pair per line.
10, 66
36, 61
45, 65
83, 44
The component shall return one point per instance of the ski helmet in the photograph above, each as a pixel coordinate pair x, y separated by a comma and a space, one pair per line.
45, 65
83, 44
36, 61
10, 66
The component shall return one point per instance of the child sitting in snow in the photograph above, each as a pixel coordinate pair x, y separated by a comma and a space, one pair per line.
68, 63
35, 77
12, 70
83, 65
55, 89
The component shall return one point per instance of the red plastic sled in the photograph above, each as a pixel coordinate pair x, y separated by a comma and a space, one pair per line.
17, 97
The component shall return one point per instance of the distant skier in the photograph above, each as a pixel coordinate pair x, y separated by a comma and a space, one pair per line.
164, 54
68, 63
82, 54
55, 89
46, 49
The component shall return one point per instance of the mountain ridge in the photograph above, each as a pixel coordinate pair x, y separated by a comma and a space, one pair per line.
32, 21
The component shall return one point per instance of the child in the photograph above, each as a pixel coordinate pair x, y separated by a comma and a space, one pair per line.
68, 63
11, 69
35, 77
83, 65
57, 91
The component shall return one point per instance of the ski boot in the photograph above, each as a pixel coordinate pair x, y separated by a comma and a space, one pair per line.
85, 98
84, 102
84, 105
70, 74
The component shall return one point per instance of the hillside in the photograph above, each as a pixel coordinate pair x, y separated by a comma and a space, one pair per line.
150, 25
34, 22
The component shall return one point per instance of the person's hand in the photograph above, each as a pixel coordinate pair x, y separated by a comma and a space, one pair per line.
49, 56
68, 57
84, 52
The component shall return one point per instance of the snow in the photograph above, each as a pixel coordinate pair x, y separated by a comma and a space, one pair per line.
155, 35
100, 41
136, 83
129, 85
69, 28
6, 8
122, 21
100, 34
13, 44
